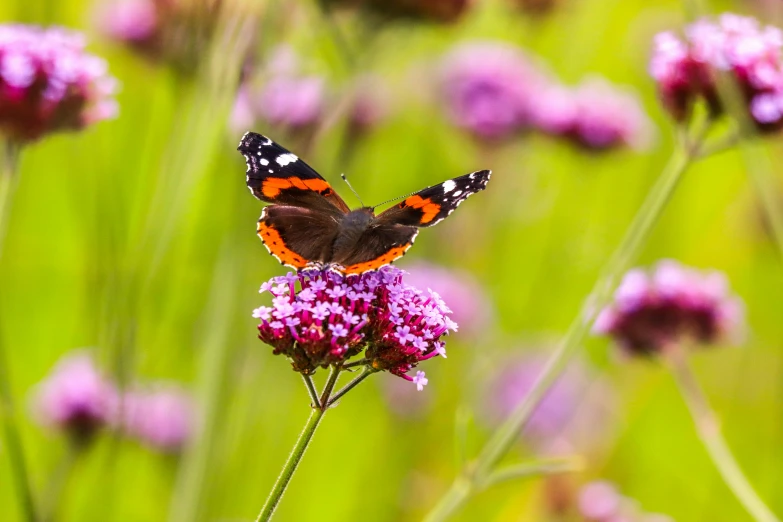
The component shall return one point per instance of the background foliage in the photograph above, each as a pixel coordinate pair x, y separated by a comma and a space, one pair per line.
162, 188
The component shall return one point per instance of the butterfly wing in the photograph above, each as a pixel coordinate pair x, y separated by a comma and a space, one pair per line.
378, 246
431, 205
297, 236
276, 175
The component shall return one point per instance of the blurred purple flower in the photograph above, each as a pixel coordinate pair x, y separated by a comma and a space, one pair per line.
134, 22
76, 398
490, 88
468, 301
596, 115
685, 69
600, 501
370, 104
332, 318
574, 412
403, 399
287, 98
49, 83
671, 304
162, 417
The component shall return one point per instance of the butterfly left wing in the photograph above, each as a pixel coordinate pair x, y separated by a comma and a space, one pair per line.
378, 246
431, 205
276, 175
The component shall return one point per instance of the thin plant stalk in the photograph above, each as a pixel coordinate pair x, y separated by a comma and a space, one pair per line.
316, 414
13, 439
635, 237
351, 385
708, 427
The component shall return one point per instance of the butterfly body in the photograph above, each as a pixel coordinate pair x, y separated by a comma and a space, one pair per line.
308, 223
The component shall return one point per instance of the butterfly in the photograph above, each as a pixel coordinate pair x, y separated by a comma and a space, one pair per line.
309, 225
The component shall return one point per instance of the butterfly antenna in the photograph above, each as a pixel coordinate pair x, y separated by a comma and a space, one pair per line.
395, 199
352, 189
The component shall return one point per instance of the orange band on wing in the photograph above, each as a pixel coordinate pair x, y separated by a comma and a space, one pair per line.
272, 187
374, 264
429, 208
276, 246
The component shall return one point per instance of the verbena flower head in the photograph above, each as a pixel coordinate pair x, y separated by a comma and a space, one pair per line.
318, 318
671, 304
600, 501
686, 68
76, 398
471, 306
49, 83
162, 417
490, 88
282, 96
596, 115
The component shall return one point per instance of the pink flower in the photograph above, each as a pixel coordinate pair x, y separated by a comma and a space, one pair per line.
162, 417
469, 302
670, 304
600, 501
48, 83
331, 318
76, 398
596, 115
490, 88
685, 69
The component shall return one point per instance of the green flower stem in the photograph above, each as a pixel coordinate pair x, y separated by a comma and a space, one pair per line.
708, 427
13, 440
348, 387
310, 385
534, 469
298, 452
635, 237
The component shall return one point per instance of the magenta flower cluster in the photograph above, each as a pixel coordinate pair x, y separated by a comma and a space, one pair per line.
685, 68
78, 399
320, 318
495, 91
49, 83
600, 501
671, 304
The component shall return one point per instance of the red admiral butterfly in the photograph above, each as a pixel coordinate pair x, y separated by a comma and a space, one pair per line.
309, 224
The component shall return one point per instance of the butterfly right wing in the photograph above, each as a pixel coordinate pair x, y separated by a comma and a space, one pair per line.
297, 236
276, 175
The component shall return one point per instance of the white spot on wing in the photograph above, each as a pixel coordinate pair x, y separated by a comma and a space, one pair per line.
457, 193
449, 185
285, 159
264, 162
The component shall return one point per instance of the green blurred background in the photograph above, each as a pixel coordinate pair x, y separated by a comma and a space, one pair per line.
163, 185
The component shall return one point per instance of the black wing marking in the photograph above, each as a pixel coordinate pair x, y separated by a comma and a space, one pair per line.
378, 246
433, 204
297, 236
276, 175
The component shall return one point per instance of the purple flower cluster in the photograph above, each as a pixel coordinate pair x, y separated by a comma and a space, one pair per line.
162, 417
685, 68
330, 318
669, 305
468, 301
288, 98
76, 398
495, 91
600, 501
595, 114
79, 400
49, 83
